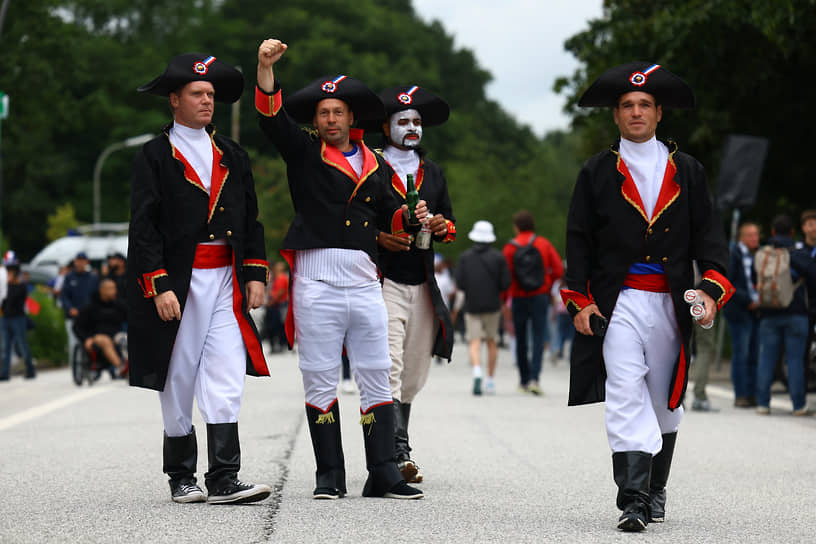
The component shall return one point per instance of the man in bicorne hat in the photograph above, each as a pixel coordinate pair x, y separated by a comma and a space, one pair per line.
640, 215
419, 324
197, 265
342, 198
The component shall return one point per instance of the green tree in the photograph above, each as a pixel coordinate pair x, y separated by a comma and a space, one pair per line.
74, 67
748, 62
61, 221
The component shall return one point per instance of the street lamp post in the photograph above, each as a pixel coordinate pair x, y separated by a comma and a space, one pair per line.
130, 142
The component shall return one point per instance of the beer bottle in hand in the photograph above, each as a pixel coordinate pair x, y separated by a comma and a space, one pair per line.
412, 199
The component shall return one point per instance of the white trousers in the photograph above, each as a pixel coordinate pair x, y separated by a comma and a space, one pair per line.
209, 358
411, 329
327, 318
640, 348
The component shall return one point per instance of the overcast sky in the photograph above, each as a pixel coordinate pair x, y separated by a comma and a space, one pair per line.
521, 43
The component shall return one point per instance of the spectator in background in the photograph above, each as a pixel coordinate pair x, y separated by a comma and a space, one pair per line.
100, 321
80, 283
742, 316
56, 283
277, 305
808, 224
15, 323
117, 271
784, 328
532, 277
444, 279
563, 321
482, 275
447, 288
3, 290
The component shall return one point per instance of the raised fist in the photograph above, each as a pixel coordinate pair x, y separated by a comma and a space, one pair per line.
270, 52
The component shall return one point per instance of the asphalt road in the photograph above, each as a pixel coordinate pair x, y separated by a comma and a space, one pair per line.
84, 465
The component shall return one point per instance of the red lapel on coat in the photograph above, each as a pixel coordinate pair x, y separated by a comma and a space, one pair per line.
399, 186
334, 157
189, 172
220, 173
669, 189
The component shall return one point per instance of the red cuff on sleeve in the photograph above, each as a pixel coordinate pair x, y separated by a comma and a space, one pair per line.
722, 283
268, 104
577, 300
148, 282
451, 236
397, 225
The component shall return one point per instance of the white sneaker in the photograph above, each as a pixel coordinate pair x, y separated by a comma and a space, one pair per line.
490, 388
803, 412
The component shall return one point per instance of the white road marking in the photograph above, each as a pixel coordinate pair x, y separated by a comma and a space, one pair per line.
44, 409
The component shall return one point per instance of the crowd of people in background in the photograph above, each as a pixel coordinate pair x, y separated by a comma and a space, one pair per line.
772, 314
497, 299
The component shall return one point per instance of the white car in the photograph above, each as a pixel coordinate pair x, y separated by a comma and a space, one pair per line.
97, 241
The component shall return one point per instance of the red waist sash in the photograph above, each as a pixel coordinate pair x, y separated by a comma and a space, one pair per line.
655, 283
212, 256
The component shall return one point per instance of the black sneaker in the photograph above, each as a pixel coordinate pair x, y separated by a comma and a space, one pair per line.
234, 491
185, 491
327, 493
404, 491
633, 519
477, 386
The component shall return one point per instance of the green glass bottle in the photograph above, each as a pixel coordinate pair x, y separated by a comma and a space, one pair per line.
412, 199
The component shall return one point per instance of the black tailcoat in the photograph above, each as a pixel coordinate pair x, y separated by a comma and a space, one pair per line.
171, 213
334, 207
608, 230
417, 265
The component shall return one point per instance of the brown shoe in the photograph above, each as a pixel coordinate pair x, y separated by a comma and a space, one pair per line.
743, 402
409, 471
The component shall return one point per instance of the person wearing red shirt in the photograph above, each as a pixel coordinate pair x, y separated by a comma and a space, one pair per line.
277, 306
529, 291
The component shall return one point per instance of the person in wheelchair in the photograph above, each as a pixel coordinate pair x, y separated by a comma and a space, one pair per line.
99, 326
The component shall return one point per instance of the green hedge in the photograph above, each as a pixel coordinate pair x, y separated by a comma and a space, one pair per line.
48, 339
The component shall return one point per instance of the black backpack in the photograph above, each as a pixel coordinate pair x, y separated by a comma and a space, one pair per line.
527, 266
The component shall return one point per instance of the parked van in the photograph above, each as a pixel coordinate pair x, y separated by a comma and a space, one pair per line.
97, 241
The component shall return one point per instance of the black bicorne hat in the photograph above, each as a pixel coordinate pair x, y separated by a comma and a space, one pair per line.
361, 100
669, 90
433, 109
182, 69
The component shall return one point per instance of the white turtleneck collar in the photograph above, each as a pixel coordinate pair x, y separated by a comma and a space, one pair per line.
195, 145
646, 162
403, 161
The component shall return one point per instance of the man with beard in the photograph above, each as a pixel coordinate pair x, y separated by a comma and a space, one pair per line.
197, 265
341, 195
419, 323
640, 215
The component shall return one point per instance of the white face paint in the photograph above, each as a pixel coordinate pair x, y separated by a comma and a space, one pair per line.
406, 128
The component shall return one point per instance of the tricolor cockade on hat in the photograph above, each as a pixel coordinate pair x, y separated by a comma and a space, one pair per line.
226, 80
669, 90
433, 109
363, 102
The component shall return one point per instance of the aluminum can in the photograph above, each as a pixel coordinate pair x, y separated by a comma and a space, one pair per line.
423, 239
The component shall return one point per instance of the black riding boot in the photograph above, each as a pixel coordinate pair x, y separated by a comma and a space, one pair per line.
407, 466
661, 463
401, 448
180, 459
384, 478
330, 475
222, 481
631, 470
